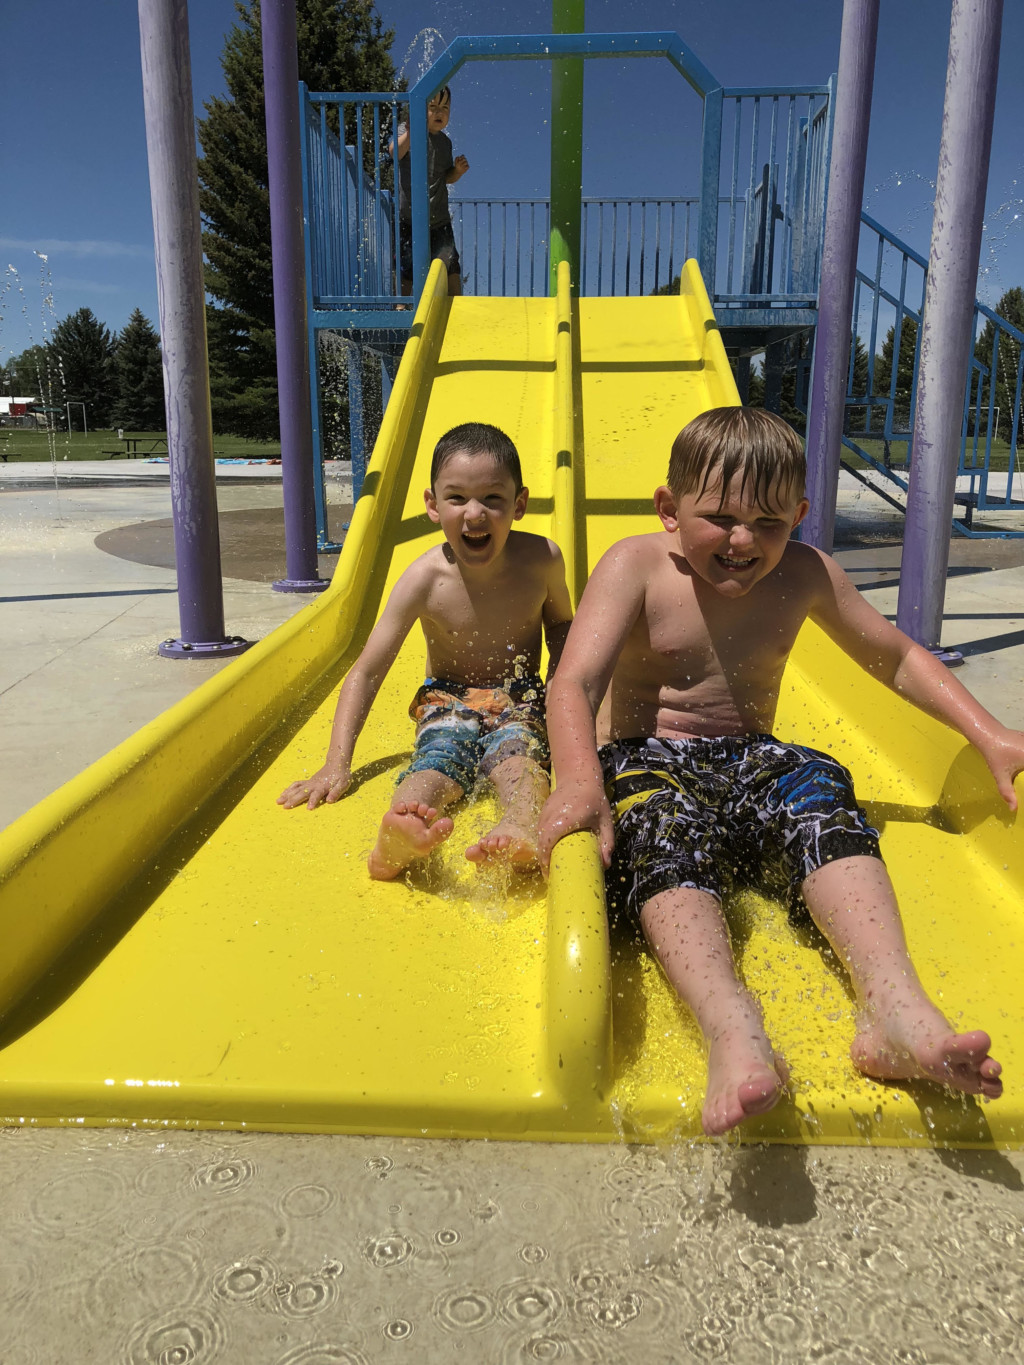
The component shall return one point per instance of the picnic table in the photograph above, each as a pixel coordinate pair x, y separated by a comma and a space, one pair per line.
131, 446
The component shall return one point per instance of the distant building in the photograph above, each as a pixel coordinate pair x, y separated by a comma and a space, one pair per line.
22, 412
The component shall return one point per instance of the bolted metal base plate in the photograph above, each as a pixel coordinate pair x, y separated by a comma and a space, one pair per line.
952, 658
301, 584
203, 649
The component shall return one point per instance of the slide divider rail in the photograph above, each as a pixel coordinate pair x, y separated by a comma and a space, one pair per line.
578, 1009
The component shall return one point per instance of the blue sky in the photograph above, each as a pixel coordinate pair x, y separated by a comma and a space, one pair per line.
74, 153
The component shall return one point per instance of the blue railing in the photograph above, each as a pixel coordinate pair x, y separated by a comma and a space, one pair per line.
353, 239
881, 397
773, 177
769, 217
628, 246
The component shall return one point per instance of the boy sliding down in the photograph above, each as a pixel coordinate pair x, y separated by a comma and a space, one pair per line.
483, 599
692, 627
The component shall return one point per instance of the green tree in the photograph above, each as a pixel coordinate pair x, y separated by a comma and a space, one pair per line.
82, 352
29, 375
1007, 363
342, 46
905, 366
140, 380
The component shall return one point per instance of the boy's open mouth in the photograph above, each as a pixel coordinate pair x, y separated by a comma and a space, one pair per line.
734, 565
476, 539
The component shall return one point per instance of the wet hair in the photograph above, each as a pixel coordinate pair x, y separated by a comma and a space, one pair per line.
442, 96
723, 443
477, 438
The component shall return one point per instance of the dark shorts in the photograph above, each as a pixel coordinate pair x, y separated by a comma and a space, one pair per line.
462, 730
442, 248
715, 814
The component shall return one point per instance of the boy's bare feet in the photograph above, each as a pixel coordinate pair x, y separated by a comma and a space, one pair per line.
917, 1043
409, 830
745, 1078
506, 842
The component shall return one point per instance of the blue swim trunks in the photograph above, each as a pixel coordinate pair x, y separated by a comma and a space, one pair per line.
462, 730
714, 814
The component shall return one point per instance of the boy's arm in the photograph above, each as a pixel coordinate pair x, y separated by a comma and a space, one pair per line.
894, 659
459, 168
358, 691
608, 609
557, 610
402, 142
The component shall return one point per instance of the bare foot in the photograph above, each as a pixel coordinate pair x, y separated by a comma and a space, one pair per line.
917, 1043
743, 1081
409, 830
506, 843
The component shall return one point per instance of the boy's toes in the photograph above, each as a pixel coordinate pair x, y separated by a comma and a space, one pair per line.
519, 852
419, 808
487, 847
439, 830
757, 1097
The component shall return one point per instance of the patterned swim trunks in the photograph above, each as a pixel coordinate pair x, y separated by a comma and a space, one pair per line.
462, 730
714, 814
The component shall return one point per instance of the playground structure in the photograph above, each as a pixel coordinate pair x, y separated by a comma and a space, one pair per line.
755, 227
270, 985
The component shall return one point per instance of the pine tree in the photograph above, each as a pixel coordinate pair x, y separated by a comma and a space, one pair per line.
341, 46
905, 366
1007, 364
82, 351
140, 380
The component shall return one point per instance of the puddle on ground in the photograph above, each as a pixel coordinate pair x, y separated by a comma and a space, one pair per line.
300, 1250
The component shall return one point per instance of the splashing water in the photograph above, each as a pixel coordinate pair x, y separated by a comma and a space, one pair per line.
51, 368
49, 318
916, 201
432, 43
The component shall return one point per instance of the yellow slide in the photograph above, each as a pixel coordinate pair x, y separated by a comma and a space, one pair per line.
176, 949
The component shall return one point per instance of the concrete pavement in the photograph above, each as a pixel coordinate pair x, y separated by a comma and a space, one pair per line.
294, 1250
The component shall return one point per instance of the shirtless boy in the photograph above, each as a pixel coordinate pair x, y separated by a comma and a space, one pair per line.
483, 598
691, 627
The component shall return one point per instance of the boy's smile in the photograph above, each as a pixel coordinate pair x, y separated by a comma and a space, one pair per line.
730, 542
474, 501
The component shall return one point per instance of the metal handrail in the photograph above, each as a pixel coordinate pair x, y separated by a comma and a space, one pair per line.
890, 289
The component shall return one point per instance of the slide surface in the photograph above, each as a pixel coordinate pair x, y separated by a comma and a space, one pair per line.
179, 950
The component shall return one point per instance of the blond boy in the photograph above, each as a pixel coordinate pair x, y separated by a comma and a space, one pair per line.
690, 629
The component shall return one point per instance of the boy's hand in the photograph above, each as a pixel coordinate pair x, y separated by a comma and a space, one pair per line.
1004, 754
461, 167
572, 807
327, 785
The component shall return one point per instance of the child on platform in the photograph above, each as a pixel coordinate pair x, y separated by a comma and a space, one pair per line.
691, 627
484, 598
443, 169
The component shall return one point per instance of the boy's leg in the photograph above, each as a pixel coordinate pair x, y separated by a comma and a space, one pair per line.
901, 1035
523, 787
688, 933
413, 828
454, 286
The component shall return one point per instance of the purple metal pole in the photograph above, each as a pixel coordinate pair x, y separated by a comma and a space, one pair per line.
284, 176
838, 267
171, 143
949, 313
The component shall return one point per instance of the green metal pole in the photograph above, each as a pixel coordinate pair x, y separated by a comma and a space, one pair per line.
566, 146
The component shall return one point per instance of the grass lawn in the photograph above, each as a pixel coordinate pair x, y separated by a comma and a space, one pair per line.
999, 463
19, 445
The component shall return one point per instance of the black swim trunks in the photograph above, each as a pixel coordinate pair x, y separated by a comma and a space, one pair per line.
715, 814
442, 248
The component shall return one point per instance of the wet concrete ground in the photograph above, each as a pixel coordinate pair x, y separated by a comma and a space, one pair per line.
146, 1246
